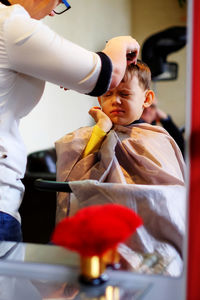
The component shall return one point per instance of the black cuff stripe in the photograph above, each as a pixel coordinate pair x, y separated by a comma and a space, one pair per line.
105, 75
5, 2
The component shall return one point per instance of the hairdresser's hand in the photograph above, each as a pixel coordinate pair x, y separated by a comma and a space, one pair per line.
119, 49
102, 120
160, 114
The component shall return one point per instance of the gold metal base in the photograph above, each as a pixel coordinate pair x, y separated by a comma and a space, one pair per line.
92, 267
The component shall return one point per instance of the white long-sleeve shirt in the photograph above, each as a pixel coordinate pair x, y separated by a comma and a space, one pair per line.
30, 54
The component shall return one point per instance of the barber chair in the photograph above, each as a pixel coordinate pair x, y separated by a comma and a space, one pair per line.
38, 208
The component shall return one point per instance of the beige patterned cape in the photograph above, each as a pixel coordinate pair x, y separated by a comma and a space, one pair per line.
139, 166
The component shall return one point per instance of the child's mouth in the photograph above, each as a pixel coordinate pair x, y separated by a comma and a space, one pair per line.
117, 111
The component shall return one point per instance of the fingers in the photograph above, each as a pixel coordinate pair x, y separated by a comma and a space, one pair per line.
127, 43
101, 119
123, 51
132, 55
94, 111
94, 108
131, 58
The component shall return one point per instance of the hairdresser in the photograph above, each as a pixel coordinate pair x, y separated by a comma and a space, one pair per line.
30, 54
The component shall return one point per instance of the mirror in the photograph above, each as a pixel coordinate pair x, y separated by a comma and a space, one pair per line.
91, 28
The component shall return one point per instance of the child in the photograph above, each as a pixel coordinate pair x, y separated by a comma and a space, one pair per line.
127, 162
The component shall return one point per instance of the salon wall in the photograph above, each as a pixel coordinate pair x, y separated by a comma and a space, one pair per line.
90, 23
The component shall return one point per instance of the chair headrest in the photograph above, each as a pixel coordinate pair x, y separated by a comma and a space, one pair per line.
158, 46
42, 161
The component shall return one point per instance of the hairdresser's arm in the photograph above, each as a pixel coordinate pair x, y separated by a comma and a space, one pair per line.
36, 50
102, 127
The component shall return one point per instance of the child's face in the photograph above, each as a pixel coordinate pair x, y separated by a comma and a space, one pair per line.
125, 103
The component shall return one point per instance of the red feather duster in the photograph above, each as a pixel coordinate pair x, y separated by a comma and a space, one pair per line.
95, 229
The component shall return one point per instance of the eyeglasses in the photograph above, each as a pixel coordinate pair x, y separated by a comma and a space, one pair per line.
62, 7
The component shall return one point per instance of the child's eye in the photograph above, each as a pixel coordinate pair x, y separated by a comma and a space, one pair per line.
108, 94
124, 95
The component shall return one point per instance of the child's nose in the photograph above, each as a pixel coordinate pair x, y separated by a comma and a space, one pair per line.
116, 99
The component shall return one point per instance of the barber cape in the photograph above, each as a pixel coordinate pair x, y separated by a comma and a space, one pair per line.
139, 166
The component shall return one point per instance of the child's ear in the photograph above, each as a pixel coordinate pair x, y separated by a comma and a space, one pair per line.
149, 97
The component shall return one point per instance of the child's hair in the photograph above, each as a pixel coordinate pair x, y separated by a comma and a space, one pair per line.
142, 71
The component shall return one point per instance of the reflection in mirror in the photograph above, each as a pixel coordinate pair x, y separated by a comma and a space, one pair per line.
38, 209
68, 287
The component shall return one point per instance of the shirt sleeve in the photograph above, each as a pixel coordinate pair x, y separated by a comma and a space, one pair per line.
34, 49
174, 131
95, 141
